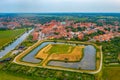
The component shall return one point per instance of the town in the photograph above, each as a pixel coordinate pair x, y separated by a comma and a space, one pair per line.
65, 44
69, 30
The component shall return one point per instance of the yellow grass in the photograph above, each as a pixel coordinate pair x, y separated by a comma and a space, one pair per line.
42, 53
75, 55
17, 58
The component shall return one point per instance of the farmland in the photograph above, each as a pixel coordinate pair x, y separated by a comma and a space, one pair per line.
20, 72
7, 36
111, 73
11, 76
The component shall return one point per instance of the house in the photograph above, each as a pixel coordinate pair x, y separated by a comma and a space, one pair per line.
35, 35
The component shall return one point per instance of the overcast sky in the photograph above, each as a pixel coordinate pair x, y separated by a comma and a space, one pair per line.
37, 6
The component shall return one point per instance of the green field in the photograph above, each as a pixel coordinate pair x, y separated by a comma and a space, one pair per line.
8, 76
13, 76
60, 48
9, 35
111, 73
20, 72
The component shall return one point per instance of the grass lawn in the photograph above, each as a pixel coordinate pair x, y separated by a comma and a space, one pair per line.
9, 76
13, 76
60, 49
111, 73
75, 55
9, 35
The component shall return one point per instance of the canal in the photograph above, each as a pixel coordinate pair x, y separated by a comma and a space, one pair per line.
14, 44
88, 62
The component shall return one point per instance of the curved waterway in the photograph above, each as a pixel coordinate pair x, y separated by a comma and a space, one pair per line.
14, 44
88, 62
31, 56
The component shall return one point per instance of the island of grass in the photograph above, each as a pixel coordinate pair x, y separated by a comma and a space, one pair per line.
61, 52
60, 49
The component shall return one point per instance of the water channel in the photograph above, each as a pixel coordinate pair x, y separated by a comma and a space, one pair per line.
14, 44
88, 62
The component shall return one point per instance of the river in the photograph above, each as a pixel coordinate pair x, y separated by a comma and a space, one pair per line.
14, 44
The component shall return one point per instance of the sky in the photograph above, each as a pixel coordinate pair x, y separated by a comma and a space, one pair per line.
44, 6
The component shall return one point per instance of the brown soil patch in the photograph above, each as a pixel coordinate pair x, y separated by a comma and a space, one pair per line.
75, 55
42, 53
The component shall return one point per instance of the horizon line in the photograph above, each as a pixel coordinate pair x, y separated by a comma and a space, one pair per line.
52, 12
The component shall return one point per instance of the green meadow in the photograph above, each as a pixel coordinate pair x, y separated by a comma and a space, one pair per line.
7, 36
111, 73
60, 48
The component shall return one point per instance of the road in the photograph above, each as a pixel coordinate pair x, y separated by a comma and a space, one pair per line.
101, 62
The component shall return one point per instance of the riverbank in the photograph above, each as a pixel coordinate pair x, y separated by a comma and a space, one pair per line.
14, 44
8, 36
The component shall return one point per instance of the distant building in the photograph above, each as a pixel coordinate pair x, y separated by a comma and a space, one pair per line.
35, 35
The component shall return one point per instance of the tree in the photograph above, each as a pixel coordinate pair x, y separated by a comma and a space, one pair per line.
66, 60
